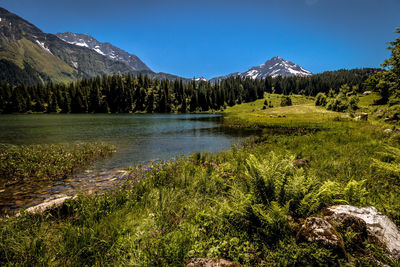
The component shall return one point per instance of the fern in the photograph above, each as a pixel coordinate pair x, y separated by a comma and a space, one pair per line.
355, 192
274, 179
389, 160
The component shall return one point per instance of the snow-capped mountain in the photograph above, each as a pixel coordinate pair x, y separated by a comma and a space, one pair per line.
274, 67
201, 78
106, 49
33, 56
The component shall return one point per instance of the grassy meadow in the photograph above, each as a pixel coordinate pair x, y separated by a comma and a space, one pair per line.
245, 204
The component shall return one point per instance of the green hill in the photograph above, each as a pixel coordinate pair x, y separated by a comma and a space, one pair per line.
34, 56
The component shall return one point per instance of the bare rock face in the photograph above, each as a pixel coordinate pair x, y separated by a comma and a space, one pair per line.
378, 225
318, 230
207, 262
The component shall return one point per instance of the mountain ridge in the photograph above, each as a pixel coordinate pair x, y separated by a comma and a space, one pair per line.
30, 56
106, 49
50, 59
273, 67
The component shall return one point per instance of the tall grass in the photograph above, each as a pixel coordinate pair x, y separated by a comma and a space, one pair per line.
47, 161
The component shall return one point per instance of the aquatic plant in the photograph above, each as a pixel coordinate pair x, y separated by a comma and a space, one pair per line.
48, 161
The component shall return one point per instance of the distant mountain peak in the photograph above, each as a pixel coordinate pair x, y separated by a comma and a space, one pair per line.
273, 67
106, 49
201, 78
276, 58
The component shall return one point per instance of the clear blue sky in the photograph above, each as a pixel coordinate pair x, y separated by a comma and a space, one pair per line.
211, 38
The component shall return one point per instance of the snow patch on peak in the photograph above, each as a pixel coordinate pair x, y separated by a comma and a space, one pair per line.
274, 67
42, 45
80, 44
104, 49
99, 51
201, 78
252, 74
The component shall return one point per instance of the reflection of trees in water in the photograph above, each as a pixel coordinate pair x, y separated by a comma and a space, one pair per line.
138, 139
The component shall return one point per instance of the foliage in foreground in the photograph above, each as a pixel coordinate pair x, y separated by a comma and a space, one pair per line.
244, 204
47, 161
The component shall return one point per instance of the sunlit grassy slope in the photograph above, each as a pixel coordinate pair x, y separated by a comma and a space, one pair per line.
25, 51
303, 112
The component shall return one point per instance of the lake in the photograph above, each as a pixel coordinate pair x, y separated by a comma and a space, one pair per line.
138, 138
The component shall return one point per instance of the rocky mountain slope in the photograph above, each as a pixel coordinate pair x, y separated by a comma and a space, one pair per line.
106, 49
29, 55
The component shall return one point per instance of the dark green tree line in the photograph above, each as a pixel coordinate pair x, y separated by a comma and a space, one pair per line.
125, 94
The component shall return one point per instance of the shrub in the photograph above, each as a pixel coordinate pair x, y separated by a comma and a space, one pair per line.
353, 102
320, 99
286, 101
337, 105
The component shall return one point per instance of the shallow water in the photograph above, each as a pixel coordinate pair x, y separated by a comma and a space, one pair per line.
139, 138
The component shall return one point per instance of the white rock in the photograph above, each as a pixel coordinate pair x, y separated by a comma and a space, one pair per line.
208, 262
378, 225
52, 204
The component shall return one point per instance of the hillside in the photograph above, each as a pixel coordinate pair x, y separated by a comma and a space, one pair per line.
29, 55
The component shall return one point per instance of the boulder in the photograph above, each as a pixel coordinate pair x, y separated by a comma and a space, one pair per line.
208, 262
362, 117
319, 230
349, 223
379, 226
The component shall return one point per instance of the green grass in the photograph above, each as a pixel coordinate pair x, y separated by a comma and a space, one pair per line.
302, 114
368, 100
26, 50
47, 161
244, 204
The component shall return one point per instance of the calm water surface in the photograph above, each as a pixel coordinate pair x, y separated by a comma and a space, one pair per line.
138, 139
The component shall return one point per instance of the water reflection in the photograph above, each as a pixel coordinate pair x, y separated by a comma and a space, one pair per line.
138, 139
